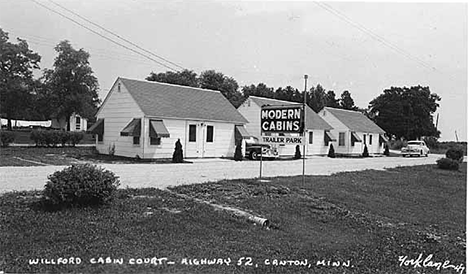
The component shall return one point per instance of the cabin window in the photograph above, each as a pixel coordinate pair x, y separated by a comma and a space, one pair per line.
155, 141
370, 139
341, 139
100, 137
78, 123
118, 87
136, 140
209, 134
311, 137
192, 133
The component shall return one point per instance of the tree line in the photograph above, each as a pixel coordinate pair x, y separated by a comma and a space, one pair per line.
71, 87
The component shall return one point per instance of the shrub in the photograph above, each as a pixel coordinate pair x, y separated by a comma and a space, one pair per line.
386, 150
431, 142
6, 138
331, 151
397, 144
365, 153
238, 154
37, 137
80, 185
75, 137
447, 163
64, 138
455, 154
298, 155
178, 156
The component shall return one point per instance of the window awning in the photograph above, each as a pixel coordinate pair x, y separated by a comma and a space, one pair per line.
158, 129
98, 127
329, 136
132, 129
383, 139
242, 133
355, 137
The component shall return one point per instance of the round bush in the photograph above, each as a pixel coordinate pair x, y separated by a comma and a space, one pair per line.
80, 185
6, 138
455, 154
447, 163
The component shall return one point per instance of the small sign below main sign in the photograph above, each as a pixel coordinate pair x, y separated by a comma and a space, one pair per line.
281, 119
283, 140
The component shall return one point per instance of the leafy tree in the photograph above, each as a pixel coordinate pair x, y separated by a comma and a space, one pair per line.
331, 101
17, 62
228, 86
70, 86
317, 98
347, 101
183, 78
406, 112
260, 90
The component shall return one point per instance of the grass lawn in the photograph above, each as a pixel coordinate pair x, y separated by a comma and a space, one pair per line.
365, 219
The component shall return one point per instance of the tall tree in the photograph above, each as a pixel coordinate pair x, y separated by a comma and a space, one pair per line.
17, 62
347, 101
71, 87
228, 86
317, 98
331, 101
183, 78
406, 112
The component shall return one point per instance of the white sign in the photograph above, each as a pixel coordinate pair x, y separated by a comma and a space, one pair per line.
283, 140
281, 119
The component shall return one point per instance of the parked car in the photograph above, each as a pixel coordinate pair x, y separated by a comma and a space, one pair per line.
253, 149
418, 148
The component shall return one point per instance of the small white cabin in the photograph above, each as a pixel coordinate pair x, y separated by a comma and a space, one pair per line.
353, 131
317, 134
145, 119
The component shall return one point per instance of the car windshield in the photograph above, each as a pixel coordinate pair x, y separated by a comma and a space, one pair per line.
414, 143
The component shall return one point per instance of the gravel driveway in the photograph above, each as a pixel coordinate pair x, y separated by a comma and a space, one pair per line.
204, 170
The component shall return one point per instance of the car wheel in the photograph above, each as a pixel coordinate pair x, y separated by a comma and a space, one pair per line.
253, 155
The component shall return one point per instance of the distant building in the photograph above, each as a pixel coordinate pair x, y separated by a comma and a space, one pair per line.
353, 131
145, 119
77, 123
317, 134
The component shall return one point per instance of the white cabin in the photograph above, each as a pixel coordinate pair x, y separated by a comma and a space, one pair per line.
317, 134
353, 130
145, 119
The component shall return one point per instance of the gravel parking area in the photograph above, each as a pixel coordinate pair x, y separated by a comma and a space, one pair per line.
204, 170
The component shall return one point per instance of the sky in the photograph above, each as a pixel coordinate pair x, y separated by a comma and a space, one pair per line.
362, 47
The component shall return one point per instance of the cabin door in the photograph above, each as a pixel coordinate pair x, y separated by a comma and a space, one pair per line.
195, 140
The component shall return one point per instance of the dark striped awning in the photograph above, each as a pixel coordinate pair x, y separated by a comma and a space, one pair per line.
329, 137
97, 128
132, 129
158, 129
242, 133
355, 137
383, 139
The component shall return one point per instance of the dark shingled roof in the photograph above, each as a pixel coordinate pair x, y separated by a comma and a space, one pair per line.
313, 120
173, 101
355, 120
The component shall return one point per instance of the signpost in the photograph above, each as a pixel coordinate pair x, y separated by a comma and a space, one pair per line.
285, 120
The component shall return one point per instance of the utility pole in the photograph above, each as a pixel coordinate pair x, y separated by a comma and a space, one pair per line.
304, 129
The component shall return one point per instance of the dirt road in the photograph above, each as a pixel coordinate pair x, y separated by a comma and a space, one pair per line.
204, 170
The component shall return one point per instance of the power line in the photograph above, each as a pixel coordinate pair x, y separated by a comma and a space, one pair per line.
116, 35
99, 34
374, 35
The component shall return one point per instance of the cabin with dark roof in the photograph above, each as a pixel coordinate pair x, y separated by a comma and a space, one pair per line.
145, 119
354, 131
318, 135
